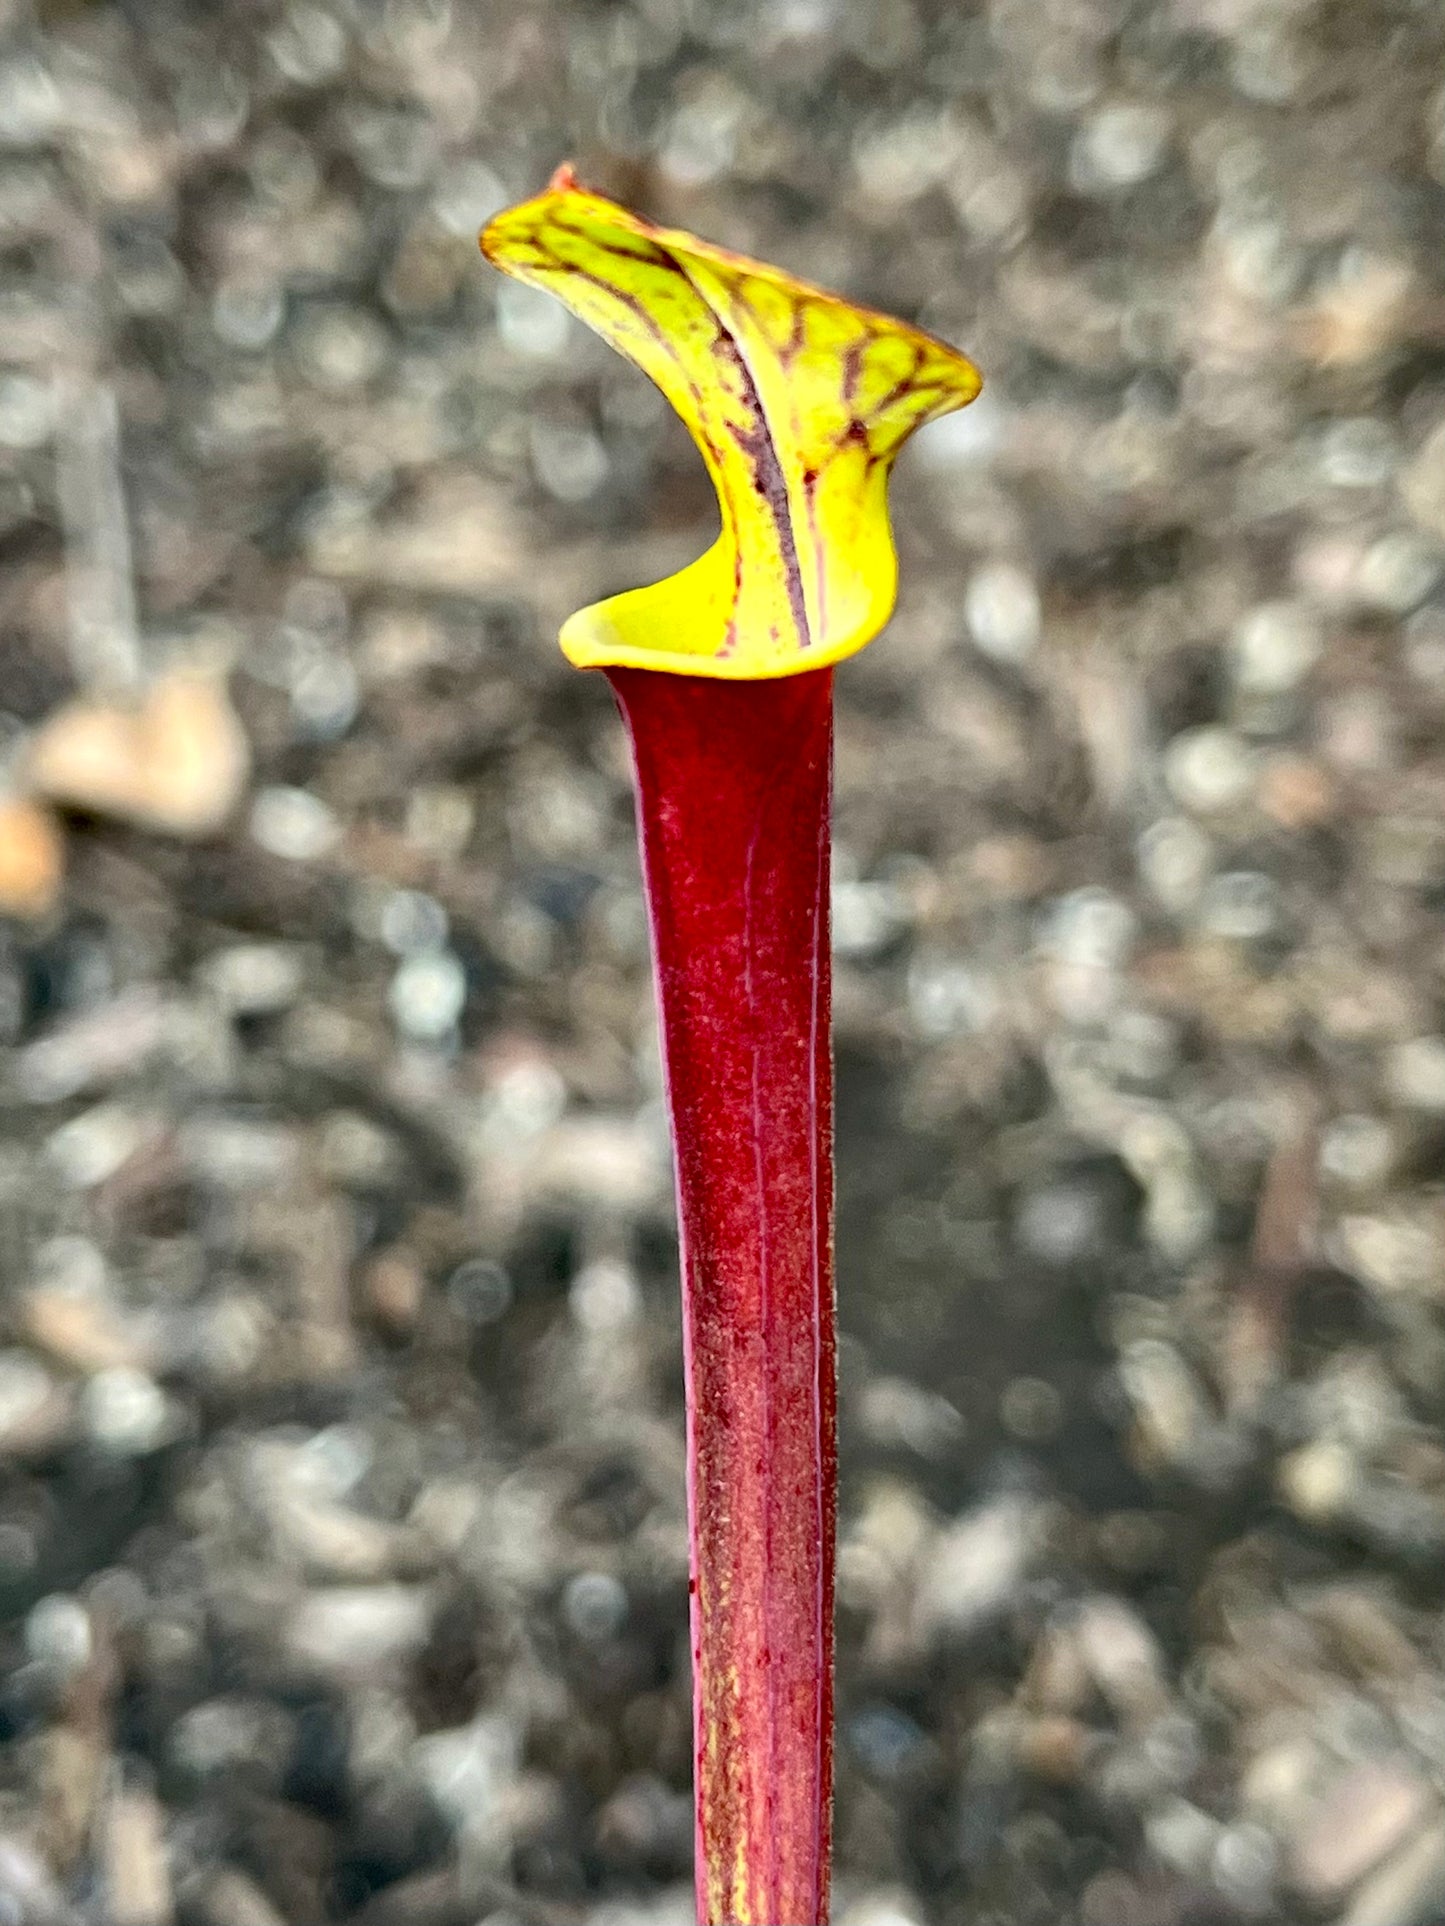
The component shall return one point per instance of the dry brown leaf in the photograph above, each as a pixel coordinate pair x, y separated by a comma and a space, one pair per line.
176, 761
32, 859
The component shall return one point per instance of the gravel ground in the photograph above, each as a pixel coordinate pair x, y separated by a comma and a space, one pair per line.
342, 1553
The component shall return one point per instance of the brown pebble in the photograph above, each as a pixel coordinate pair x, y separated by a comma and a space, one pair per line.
1296, 793
80, 1331
393, 1290
1055, 1748
1361, 317
137, 1867
1009, 866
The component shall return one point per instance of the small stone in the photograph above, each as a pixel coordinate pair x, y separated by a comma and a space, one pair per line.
1183, 1836
468, 1769
1425, 647
239, 1153
335, 1460
1112, 1899
428, 995
1369, 1811
1055, 1748
358, 1628
1415, 1073
94, 1049
1170, 1404
886, 1908
27, 411
947, 997
594, 1605
439, 819
211, 103
1122, 1658
615, 1163
1359, 732
254, 979
1357, 1150
1060, 1223
701, 141
570, 462
976, 1566
230, 1734
394, 146
31, 104
1405, 851
1240, 906
394, 1289
1326, 567
1003, 612
642, 1818
1319, 1481
1296, 792
59, 1635
30, 1404
1175, 858
1407, 1890
901, 157
604, 1297
94, 1145
309, 45
294, 824
247, 313
1398, 572
532, 323
408, 921
889, 1536
1031, 1410
341, 349
1422, 484
897, 1414
137, 1865
71, 1267
231, 1899
1392, 1252
964, 441
356, 1150
1275, 647
1358, 453
524, 1099
125, 1412
1361, 313
466, 196
1209, 769
1119, 146
1090, 928
1143, 1046
480, 1290
325, 696
866, 916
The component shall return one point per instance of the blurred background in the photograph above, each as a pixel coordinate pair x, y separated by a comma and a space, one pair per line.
342, 1557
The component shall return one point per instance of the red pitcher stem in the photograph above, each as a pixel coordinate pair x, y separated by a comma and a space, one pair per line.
733, 788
